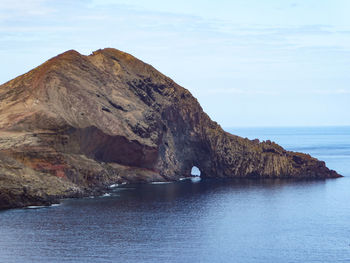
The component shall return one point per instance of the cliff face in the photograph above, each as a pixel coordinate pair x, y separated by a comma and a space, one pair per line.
78, 123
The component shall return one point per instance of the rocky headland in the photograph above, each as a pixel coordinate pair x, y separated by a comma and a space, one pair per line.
76, 124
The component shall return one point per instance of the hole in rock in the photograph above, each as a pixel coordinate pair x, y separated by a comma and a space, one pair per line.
195, 171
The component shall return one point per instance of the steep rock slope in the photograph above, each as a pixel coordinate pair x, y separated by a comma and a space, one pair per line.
78, 123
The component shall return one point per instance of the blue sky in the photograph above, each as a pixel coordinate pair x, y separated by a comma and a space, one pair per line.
249, 62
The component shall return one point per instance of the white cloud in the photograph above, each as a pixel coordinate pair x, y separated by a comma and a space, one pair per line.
330, 92
25, 8
239, 91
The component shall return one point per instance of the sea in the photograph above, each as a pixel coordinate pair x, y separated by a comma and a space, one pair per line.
199, 220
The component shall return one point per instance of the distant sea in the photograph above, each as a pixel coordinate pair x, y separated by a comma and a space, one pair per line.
200, 220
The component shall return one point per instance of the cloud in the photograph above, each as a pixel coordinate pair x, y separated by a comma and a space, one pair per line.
111, 17
20, 8
254, 92
330, 92
240, 91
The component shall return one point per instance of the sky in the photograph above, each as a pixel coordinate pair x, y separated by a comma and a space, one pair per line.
248, 62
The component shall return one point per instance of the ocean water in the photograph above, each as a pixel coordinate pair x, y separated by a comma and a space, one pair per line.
199, 220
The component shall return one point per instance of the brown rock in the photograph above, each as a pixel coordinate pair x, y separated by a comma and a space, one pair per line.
76, 124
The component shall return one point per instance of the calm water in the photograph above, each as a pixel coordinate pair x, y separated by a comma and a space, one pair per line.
199, 221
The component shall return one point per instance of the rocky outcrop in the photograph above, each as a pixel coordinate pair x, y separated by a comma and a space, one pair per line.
77, 124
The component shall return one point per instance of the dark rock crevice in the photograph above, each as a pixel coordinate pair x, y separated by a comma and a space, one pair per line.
114, 149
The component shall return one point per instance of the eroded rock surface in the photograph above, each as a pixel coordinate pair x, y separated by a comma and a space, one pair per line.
77, 124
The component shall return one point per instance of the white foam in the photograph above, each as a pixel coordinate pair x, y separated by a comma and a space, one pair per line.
41, 206
106, 194
184, 178
36, 206
113, 185
161, 183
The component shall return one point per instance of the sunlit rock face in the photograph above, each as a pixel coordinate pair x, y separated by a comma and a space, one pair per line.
77, 123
